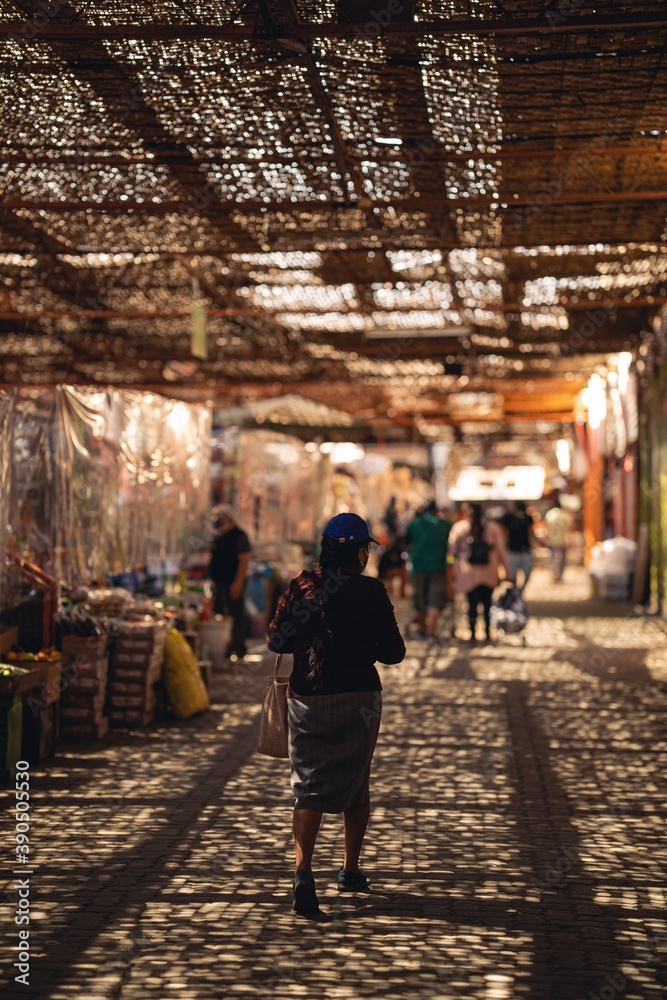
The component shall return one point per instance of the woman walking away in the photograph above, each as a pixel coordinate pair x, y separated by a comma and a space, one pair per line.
337, 623
479, 548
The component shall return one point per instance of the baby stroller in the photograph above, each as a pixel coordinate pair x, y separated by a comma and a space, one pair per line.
509, 614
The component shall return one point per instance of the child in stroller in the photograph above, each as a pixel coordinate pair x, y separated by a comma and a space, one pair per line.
509, 614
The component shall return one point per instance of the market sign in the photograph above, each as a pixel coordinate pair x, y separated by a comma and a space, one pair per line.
513, 482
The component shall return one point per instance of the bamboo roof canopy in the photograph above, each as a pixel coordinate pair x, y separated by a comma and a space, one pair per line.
420, 213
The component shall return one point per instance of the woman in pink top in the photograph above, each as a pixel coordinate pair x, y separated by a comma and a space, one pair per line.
479, 548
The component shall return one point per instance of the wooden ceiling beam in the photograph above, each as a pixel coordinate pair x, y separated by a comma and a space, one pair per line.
347, 168
154, 353
268, 389
564, 416
554, 23
359, 241
641, 302
57, 275
413, 204
39, 158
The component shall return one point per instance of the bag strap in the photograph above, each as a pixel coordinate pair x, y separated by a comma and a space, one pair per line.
279, 658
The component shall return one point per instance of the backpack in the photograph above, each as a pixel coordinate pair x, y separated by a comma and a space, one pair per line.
478, 551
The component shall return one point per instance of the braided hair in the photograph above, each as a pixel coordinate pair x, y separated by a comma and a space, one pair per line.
335, 556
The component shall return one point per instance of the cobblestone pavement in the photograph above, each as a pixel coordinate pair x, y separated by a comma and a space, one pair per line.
517, 844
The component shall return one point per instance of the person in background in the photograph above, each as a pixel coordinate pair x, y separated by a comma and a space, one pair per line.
479, 549
337, 623
450, 515
427, 537
445, 516
558, 522
393, 565
520, 543
228, 569
391, 518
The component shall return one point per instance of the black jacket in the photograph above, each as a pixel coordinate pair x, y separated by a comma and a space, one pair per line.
362, 621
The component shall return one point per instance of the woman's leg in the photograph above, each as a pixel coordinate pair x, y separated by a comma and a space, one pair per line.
485, 597
306, 824
356, 821
419, 600
473, 597
527, 569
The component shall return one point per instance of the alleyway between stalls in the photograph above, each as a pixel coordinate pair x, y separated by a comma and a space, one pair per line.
517, 846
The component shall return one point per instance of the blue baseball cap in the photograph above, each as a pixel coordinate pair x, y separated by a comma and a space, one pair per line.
348, 528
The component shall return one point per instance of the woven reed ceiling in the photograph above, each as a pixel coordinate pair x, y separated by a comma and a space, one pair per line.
488, 180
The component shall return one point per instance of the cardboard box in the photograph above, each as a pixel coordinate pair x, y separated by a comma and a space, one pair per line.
135, 644
83, 649
85, 685
139, 701
141, 633
129, 675
131, 686
72, 714
122, 658
85, 731
83, 700
131, 717
78, 669
28, 678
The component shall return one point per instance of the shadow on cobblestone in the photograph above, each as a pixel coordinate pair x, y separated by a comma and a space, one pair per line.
516, 847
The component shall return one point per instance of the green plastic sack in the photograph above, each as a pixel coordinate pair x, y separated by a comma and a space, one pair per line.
183, 682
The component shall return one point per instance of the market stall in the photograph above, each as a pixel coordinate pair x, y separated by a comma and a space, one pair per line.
96, 486
100, 481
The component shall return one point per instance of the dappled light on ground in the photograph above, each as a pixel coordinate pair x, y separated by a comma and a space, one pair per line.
516, 847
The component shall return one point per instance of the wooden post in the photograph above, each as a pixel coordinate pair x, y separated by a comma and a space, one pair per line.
593, 494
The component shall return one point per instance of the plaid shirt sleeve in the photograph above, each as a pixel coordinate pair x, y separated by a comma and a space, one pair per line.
280, 635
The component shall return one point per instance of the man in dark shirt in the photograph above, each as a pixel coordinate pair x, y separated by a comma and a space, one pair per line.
230, 555
520, 542
391, 518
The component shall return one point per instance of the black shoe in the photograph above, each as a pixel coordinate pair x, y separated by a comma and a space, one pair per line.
352, 881
304, 898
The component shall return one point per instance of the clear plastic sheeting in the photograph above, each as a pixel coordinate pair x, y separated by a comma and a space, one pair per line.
274, 482
132, 480
164, 468
6, 436
95, 482
87, 476
32, 504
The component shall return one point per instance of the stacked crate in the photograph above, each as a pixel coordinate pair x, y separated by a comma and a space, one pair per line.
83, 688
135, 670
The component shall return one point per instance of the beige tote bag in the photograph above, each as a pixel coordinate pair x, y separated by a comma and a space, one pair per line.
272, 740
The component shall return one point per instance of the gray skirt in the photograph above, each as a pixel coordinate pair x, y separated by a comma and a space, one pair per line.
331, 742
